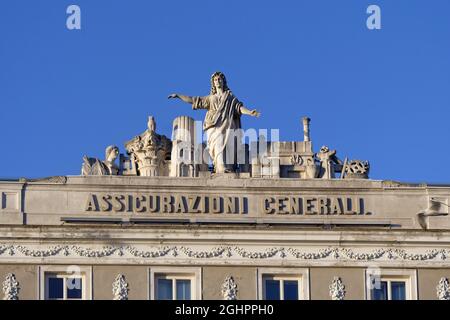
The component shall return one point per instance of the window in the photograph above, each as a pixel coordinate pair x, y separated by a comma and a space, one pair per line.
391, 284
63, 287
281, 288
171, 287
175, 283
283, 284
389, 290
65, 283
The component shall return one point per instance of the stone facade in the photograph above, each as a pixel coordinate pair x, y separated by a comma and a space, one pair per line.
382, 225
286, 215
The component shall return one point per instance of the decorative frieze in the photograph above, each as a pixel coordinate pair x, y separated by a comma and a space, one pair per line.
214, 253
236, 252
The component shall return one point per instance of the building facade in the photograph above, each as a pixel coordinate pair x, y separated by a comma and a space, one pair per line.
287, 223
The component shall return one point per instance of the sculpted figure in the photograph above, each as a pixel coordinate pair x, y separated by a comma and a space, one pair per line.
96, 167
357, 169
328, 162
149, 151
222, 118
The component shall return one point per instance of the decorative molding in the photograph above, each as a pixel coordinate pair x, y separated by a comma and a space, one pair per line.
296, 159
337, 289
229, 289
120, 288
214, 253
225, 251
443, 289
54, 179
266, 254
11, 287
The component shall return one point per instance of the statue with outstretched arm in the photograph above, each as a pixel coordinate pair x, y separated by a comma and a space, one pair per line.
223, 116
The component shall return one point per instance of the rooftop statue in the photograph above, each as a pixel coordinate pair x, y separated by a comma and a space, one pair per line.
223, 116
96, 167
357, 169
184, 155
328, 162
150, 151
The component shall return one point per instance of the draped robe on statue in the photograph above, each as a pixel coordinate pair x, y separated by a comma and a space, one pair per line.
222, 120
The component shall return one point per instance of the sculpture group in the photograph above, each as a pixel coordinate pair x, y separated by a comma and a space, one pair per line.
151, 154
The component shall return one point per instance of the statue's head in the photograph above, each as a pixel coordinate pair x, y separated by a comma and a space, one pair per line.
218, 80
111, 153
324, 149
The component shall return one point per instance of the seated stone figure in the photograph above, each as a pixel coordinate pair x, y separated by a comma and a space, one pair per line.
96, 167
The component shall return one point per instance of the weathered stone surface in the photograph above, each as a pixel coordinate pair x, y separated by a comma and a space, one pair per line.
272, 208
96, 167
223, 115
293, 201
149, 152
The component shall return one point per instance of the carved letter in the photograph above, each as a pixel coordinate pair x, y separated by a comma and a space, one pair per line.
216, 204
282, 207
129, 199
242, 205
140, 203
267, 205
361, 207
350, 206
356, 205
180, 205
119, 205
194, 203
106, 205
92, 204
294, 205
203, 204
153, 203
336, 206
310, 204
230, 205
167, 204
324, 206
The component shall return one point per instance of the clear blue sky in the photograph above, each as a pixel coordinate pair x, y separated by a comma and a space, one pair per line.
380, 95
